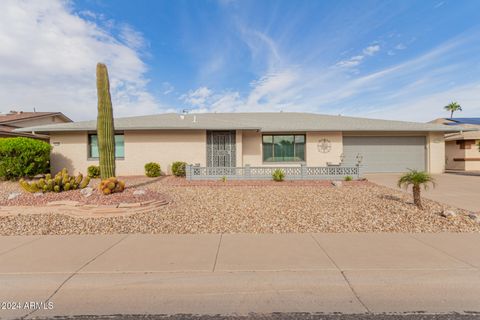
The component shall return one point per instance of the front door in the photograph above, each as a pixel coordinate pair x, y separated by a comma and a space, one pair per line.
221, 149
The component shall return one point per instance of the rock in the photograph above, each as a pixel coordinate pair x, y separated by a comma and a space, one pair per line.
475, 217
13, 195
448, 213
139, 192
86, 192
337, 183
38, 194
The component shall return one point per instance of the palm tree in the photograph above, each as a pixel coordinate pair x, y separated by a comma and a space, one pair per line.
416, 179
452, 107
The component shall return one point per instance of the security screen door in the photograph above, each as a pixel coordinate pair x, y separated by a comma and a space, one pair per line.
221, 149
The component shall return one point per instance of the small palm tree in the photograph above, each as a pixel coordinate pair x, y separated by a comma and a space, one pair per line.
416, 179
452, 107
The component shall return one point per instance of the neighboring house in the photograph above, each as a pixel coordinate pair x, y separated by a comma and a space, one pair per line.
19, 119
462, 150
256, 139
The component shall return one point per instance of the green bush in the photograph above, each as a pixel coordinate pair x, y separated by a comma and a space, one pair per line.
348, 178
152, 169
178, 168
93, 171
278, 175
23, 157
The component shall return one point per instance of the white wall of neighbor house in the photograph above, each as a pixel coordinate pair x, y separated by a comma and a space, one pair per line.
70, 150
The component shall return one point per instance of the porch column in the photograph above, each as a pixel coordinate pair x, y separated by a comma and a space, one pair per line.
239, 149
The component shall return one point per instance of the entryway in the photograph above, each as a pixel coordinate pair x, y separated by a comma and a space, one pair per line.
221, 151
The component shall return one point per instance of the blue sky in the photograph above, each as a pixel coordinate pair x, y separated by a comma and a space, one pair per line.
382, 59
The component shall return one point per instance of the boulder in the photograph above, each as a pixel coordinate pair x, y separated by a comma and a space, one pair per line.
86, 192
38, 194
448, 213
13, 195
140, 192
337, 183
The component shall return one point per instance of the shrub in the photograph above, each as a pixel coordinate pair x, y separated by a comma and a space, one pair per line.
278, 175
178, 168
152, 169
23, 157
61, 182
111, 185
348, 178
93, 171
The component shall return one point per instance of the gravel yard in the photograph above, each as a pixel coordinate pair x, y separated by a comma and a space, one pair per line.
255, 207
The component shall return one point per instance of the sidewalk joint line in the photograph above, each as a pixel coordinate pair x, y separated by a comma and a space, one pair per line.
342, 273
19, 246
75, 273
444, 252
218, 251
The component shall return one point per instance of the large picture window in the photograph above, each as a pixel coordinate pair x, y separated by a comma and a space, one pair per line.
93, 146
283, 148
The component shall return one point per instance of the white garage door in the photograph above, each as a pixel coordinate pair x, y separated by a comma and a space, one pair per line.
386, 154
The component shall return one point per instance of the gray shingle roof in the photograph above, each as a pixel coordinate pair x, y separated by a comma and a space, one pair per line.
266, 122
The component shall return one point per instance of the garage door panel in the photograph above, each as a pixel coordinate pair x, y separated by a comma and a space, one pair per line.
386, 154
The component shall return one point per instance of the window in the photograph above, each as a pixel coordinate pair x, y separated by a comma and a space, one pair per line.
93, 146
284, 148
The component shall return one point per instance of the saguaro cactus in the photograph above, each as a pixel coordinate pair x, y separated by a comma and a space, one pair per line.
105, 128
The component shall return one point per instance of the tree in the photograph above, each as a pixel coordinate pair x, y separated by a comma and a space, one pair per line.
105, 128
452, 107
416, 179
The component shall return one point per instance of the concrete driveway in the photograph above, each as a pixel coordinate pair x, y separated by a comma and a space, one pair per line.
457, 190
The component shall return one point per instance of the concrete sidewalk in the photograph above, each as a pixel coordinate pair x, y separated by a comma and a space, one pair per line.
241, 273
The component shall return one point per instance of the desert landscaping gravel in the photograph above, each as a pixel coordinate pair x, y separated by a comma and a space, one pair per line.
255, 207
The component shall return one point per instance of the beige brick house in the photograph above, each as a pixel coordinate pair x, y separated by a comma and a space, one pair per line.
255, 139
462, 150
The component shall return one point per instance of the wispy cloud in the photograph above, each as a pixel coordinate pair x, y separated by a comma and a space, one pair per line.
420, 85
167, 88
198, 97
371, 50
48, 57
356, 60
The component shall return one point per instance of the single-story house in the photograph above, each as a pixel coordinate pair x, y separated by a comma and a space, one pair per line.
462, 150
255, 139
13, 120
